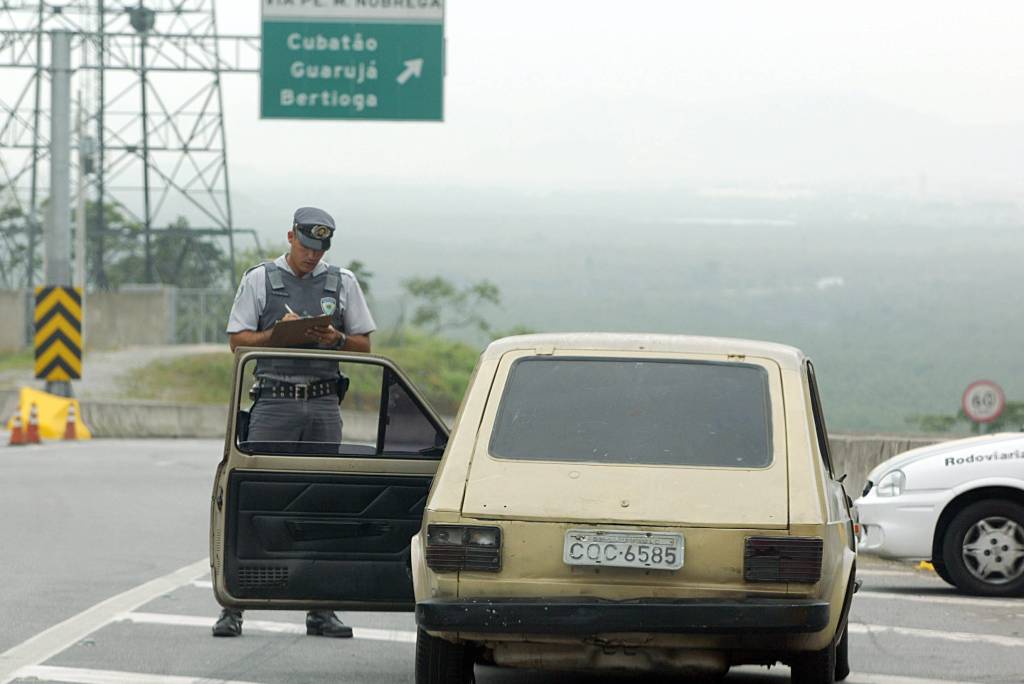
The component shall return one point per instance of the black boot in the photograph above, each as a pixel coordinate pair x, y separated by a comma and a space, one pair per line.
229, 623
326, 623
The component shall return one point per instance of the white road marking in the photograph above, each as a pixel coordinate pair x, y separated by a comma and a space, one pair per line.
52, 641
910, 572
963, 637
405, 636
75, 675
23, 660
393, 635
865, 678
855, 677
949, 600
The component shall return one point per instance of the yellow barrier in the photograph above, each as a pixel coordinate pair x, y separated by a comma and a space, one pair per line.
52, 412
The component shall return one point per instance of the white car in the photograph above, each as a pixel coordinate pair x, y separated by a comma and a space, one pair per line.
959, 504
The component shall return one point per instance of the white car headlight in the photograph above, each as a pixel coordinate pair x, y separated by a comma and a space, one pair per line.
891, 484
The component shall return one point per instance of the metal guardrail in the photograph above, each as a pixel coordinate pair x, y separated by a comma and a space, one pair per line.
200, 315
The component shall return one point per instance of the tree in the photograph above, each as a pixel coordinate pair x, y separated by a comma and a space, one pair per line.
362, 274
13, 248
247, 258
181, 257
1012, 418
441, 306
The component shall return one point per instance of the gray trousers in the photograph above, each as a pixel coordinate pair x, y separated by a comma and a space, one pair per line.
295, 420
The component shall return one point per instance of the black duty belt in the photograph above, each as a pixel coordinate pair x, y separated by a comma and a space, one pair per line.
276, 389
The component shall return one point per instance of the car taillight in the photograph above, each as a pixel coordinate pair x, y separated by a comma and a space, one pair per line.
782, 559
463, 547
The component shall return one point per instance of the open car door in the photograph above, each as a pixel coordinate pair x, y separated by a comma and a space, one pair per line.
303, 524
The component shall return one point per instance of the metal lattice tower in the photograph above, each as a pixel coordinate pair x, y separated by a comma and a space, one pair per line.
147, 79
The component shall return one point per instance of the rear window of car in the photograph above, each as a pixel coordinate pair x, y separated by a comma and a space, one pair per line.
660, 412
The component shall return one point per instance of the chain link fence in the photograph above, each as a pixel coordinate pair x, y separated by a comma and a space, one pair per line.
200, 315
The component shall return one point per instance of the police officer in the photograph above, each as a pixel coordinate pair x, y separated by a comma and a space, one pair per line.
297, 400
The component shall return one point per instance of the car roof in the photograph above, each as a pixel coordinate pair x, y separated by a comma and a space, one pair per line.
785, 355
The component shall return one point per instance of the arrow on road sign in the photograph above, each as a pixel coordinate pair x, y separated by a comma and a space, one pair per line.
413, 67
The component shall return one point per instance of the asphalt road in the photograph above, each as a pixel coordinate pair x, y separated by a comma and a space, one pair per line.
104, 579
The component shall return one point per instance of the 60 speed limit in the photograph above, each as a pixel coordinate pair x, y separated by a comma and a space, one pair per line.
983, 401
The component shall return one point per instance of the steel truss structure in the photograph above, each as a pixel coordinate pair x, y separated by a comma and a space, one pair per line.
148, 84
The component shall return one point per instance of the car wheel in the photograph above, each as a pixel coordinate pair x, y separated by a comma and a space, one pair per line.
816, 667
941, 571
983, 548
843, 655
442, 662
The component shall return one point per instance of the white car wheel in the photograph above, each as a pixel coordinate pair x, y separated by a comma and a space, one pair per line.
983, 548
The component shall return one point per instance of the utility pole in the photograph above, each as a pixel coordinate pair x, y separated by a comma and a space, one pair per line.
58, 224
142, 20
154, 109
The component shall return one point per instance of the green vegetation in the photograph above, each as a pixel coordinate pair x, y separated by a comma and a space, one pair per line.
17, 360
442, 306
1012, 419
249, 257
440, 369
200, 379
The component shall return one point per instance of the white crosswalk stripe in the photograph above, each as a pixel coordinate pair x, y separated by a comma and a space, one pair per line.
393, 635
867, 593
961, 637
77, 675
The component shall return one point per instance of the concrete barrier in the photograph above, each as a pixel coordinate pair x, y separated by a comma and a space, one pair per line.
15, 307
856, 455
8, 404
153, 419
141, 316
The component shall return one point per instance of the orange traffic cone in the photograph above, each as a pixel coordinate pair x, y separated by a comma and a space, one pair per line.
32, 434
69, 426
17, 433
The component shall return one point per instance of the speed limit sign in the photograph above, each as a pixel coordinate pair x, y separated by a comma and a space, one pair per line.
984, 401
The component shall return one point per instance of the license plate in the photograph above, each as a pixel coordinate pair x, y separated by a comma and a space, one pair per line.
626, 549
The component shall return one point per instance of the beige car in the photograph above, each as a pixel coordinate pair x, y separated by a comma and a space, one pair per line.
605, 502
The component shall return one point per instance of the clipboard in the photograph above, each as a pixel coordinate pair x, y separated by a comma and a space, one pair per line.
293, 333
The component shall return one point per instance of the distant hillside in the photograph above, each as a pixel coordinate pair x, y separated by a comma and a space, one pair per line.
898, 317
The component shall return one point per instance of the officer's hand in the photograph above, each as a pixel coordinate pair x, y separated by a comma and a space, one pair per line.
325, 335
290, 317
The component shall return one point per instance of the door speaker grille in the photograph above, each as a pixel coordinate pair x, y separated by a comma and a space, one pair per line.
262, 576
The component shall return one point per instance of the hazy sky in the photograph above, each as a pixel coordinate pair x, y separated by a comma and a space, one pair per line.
548, 95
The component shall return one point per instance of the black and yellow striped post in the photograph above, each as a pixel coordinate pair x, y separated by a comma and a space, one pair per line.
58, 340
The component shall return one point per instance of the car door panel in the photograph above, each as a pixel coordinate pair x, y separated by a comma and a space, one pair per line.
293, 536
308, 525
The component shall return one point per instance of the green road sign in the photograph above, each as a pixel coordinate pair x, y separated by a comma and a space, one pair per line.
352, 59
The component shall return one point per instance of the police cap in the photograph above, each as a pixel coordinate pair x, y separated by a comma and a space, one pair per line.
314, 228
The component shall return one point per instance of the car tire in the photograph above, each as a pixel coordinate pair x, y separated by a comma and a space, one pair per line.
816, 667
843, 655
941, 571
983, 549
442, 662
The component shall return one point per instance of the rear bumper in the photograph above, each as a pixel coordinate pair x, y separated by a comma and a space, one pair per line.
584, 616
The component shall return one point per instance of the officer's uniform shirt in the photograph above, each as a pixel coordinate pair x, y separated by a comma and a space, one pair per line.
251, 300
